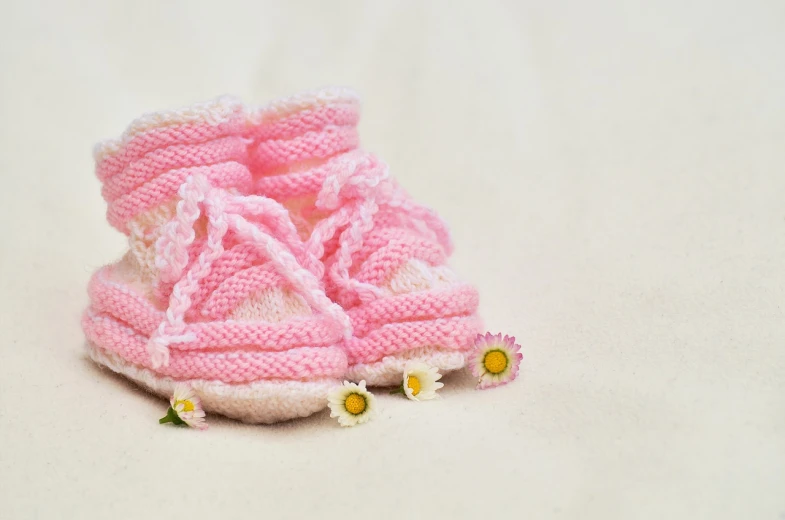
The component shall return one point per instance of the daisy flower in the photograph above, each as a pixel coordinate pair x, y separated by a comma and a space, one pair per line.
495, 360
420, 381
186, 408
351, 403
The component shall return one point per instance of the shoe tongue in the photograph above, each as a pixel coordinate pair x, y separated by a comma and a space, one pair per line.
301, 131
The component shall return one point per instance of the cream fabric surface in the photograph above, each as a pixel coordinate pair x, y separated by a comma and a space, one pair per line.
613, 173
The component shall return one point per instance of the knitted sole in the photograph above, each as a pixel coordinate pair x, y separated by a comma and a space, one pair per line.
258, 402
389, 371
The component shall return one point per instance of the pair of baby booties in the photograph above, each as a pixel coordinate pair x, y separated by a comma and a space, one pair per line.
269, 259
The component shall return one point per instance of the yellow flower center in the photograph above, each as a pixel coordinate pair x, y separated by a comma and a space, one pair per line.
414, 385
355, 404
188, 406
495, 362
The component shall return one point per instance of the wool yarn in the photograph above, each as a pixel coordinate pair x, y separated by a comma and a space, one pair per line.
269, 258
384, 255
217, 289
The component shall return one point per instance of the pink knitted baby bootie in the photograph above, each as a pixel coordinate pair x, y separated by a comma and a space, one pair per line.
384, 255
217, 289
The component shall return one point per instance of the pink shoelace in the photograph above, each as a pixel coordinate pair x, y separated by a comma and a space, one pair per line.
356, 186
275, 236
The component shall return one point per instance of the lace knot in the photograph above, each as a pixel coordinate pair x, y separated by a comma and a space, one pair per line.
275, 236
355, 177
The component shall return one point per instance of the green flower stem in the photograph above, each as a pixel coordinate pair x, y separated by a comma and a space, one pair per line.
399, 390
171, 417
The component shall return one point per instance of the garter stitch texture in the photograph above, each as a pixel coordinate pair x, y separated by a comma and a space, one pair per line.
269, 257
218, 288
384, 255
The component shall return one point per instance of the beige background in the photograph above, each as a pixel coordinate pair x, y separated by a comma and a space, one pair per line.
614, 175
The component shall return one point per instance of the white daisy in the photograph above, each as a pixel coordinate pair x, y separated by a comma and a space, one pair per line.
351, 403
420, 381
186, 408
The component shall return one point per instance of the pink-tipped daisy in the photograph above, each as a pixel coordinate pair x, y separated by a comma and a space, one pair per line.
186, 408
495, 360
